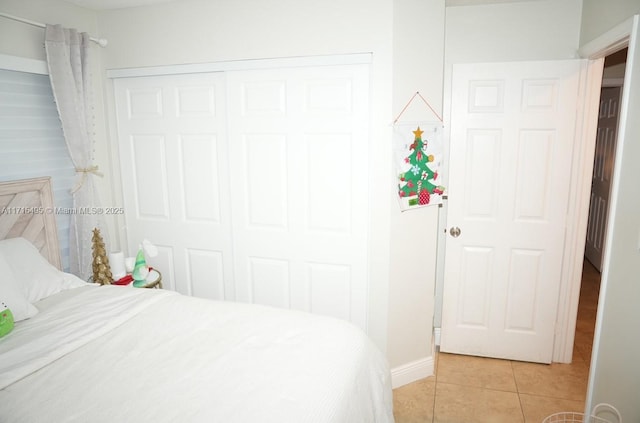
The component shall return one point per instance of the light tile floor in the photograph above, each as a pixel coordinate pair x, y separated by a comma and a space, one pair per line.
470, 389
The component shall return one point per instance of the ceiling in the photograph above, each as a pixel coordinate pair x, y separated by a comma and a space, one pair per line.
450, 3
120, 4
115, 4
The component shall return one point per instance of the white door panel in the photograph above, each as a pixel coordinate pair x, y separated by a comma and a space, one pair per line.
299, 163
174, 155
512, 127
602, 173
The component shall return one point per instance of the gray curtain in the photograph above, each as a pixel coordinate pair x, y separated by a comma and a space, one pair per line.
68, 61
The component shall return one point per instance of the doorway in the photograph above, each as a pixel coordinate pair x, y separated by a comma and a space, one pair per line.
604, 160
604, 157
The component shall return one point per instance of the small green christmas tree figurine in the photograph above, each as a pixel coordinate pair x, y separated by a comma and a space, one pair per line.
101, 269
419, 179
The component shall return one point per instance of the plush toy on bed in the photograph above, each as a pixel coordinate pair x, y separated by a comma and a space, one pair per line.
6, 320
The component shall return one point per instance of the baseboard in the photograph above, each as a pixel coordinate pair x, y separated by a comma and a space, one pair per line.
410, 372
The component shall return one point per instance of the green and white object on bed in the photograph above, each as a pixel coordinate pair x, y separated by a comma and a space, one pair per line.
6, 320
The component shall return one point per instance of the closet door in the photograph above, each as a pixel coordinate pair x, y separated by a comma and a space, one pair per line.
299, 175
253, 183
174, 164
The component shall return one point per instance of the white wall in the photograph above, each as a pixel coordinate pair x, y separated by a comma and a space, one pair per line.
418, 54
599, 16
615, 372
196, 31
19, 39
534, 30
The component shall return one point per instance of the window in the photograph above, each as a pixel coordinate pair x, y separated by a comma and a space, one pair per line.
32, 144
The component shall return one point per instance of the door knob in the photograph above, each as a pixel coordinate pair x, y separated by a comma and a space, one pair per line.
455, 231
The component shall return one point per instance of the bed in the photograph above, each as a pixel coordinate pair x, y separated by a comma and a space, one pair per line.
81, 352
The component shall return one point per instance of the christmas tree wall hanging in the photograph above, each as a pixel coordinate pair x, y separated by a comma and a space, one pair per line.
419, 162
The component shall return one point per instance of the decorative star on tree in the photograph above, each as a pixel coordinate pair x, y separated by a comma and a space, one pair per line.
419, 180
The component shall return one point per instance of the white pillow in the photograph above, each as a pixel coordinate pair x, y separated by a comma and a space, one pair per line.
11, 294
38, 277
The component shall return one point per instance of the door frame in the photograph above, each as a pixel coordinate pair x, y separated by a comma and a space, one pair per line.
578, 209
581, 170
595, 51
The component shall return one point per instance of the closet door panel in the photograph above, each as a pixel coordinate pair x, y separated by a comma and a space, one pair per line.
174, 164
298, 141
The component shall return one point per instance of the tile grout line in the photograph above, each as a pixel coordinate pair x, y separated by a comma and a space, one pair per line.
435, 387
515, 382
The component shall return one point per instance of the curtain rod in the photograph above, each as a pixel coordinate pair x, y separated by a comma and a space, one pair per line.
100, 41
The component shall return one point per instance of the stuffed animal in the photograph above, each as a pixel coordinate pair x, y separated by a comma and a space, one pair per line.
6, 320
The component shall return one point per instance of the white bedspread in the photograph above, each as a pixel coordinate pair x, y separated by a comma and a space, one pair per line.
114, 354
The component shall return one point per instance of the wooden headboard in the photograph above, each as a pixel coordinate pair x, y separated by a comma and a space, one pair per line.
27, 210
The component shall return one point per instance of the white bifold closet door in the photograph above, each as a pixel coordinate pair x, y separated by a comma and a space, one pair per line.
254, 184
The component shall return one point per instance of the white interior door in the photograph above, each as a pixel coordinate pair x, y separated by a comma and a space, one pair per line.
299, 177
512, 133
602, 173
253, 183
